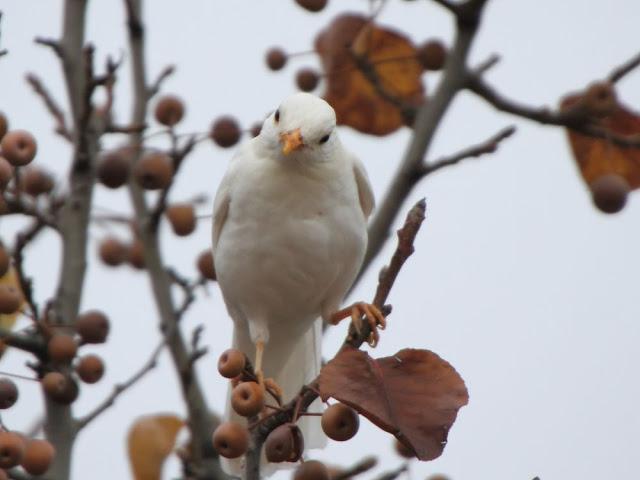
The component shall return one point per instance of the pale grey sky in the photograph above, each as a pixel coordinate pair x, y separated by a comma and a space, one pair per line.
517, 281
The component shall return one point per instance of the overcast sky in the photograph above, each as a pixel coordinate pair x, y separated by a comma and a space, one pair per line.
517, 280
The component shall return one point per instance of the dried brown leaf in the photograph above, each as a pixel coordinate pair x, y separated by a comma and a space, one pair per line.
413, 394
394, 58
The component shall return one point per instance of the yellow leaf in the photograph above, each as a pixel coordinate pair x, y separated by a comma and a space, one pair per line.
151, 439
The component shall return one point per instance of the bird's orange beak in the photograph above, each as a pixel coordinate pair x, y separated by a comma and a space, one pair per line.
291, 141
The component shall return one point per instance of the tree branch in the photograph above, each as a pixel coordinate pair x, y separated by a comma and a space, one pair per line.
575, 119
51, 105
488, 146
205, 459
425, 126
28, 343
120, 388
362, 466
308, 393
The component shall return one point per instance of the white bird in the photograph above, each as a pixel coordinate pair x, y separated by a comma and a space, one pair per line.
289, 237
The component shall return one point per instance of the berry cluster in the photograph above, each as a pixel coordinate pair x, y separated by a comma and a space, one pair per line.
285, 443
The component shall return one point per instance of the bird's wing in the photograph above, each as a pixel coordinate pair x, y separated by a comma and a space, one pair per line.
365, 193
223, 195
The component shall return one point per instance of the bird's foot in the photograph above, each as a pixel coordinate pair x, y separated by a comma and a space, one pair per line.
359, 310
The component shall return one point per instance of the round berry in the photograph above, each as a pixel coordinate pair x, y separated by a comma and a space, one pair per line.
62, 348
340, 422
279, 444
154, 171
169, 110
307, 79
182, 217
247, 399
113, 168
205, 265
231, 440
93, 326
112, 252
38, 455
35, 181
11, 449
609, 192
10, 299
8, 393
90, 368
312, 5
231, 363
276, 58
19, 147
432, 55
225, 131
311, 470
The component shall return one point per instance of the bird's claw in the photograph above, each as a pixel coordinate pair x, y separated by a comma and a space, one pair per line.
359, 310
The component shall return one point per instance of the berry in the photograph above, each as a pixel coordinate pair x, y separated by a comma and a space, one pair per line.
112, 251
6, 172
600, 99
182, 218
8, 393
276, 58
311, 470
312, 5
10, 299
154, 171
279, 444
5, 261
4, 125
38, 455
169, 110
54, 384
231, 440
231, 363
403, 450
432, 55
93, 326
11, 449
247, 399
438, 476
225, 131
62, 348
255, 130
205, 265
340, 422
18, 147
35, 181
90, 368
113, 168
284, 444
609, 192
60, 388
307, 79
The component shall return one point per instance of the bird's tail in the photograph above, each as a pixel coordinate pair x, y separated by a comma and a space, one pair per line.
292, 363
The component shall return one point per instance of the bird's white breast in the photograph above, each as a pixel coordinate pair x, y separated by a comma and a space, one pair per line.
293, 233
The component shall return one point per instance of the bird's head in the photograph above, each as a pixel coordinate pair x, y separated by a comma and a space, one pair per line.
303, 127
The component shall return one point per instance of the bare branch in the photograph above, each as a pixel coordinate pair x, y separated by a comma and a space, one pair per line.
51, 105
362, 466
28, 343
620, 72
393, 474
452, 7
164, 74
52, 44
204, 458
3, 51
120, 388
427, 120
570, 118
488, 146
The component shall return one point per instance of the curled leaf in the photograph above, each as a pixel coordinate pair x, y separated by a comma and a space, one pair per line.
413, 394
393, 58
150, 441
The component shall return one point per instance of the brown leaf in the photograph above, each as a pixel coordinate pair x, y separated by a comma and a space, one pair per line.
596, 156
151, 439
394, 58
413, 394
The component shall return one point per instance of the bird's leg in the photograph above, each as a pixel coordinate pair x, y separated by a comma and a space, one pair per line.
372, 315
258, 365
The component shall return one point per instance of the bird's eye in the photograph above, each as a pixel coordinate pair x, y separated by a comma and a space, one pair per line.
276, 117
325, 138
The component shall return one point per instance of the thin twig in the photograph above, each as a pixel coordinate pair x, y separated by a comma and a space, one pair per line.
488, 146
165, 73
120, 388
26, 342
393, 474
23, 239
621, 71
52, 44
3, 51
362, 466
51, 105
